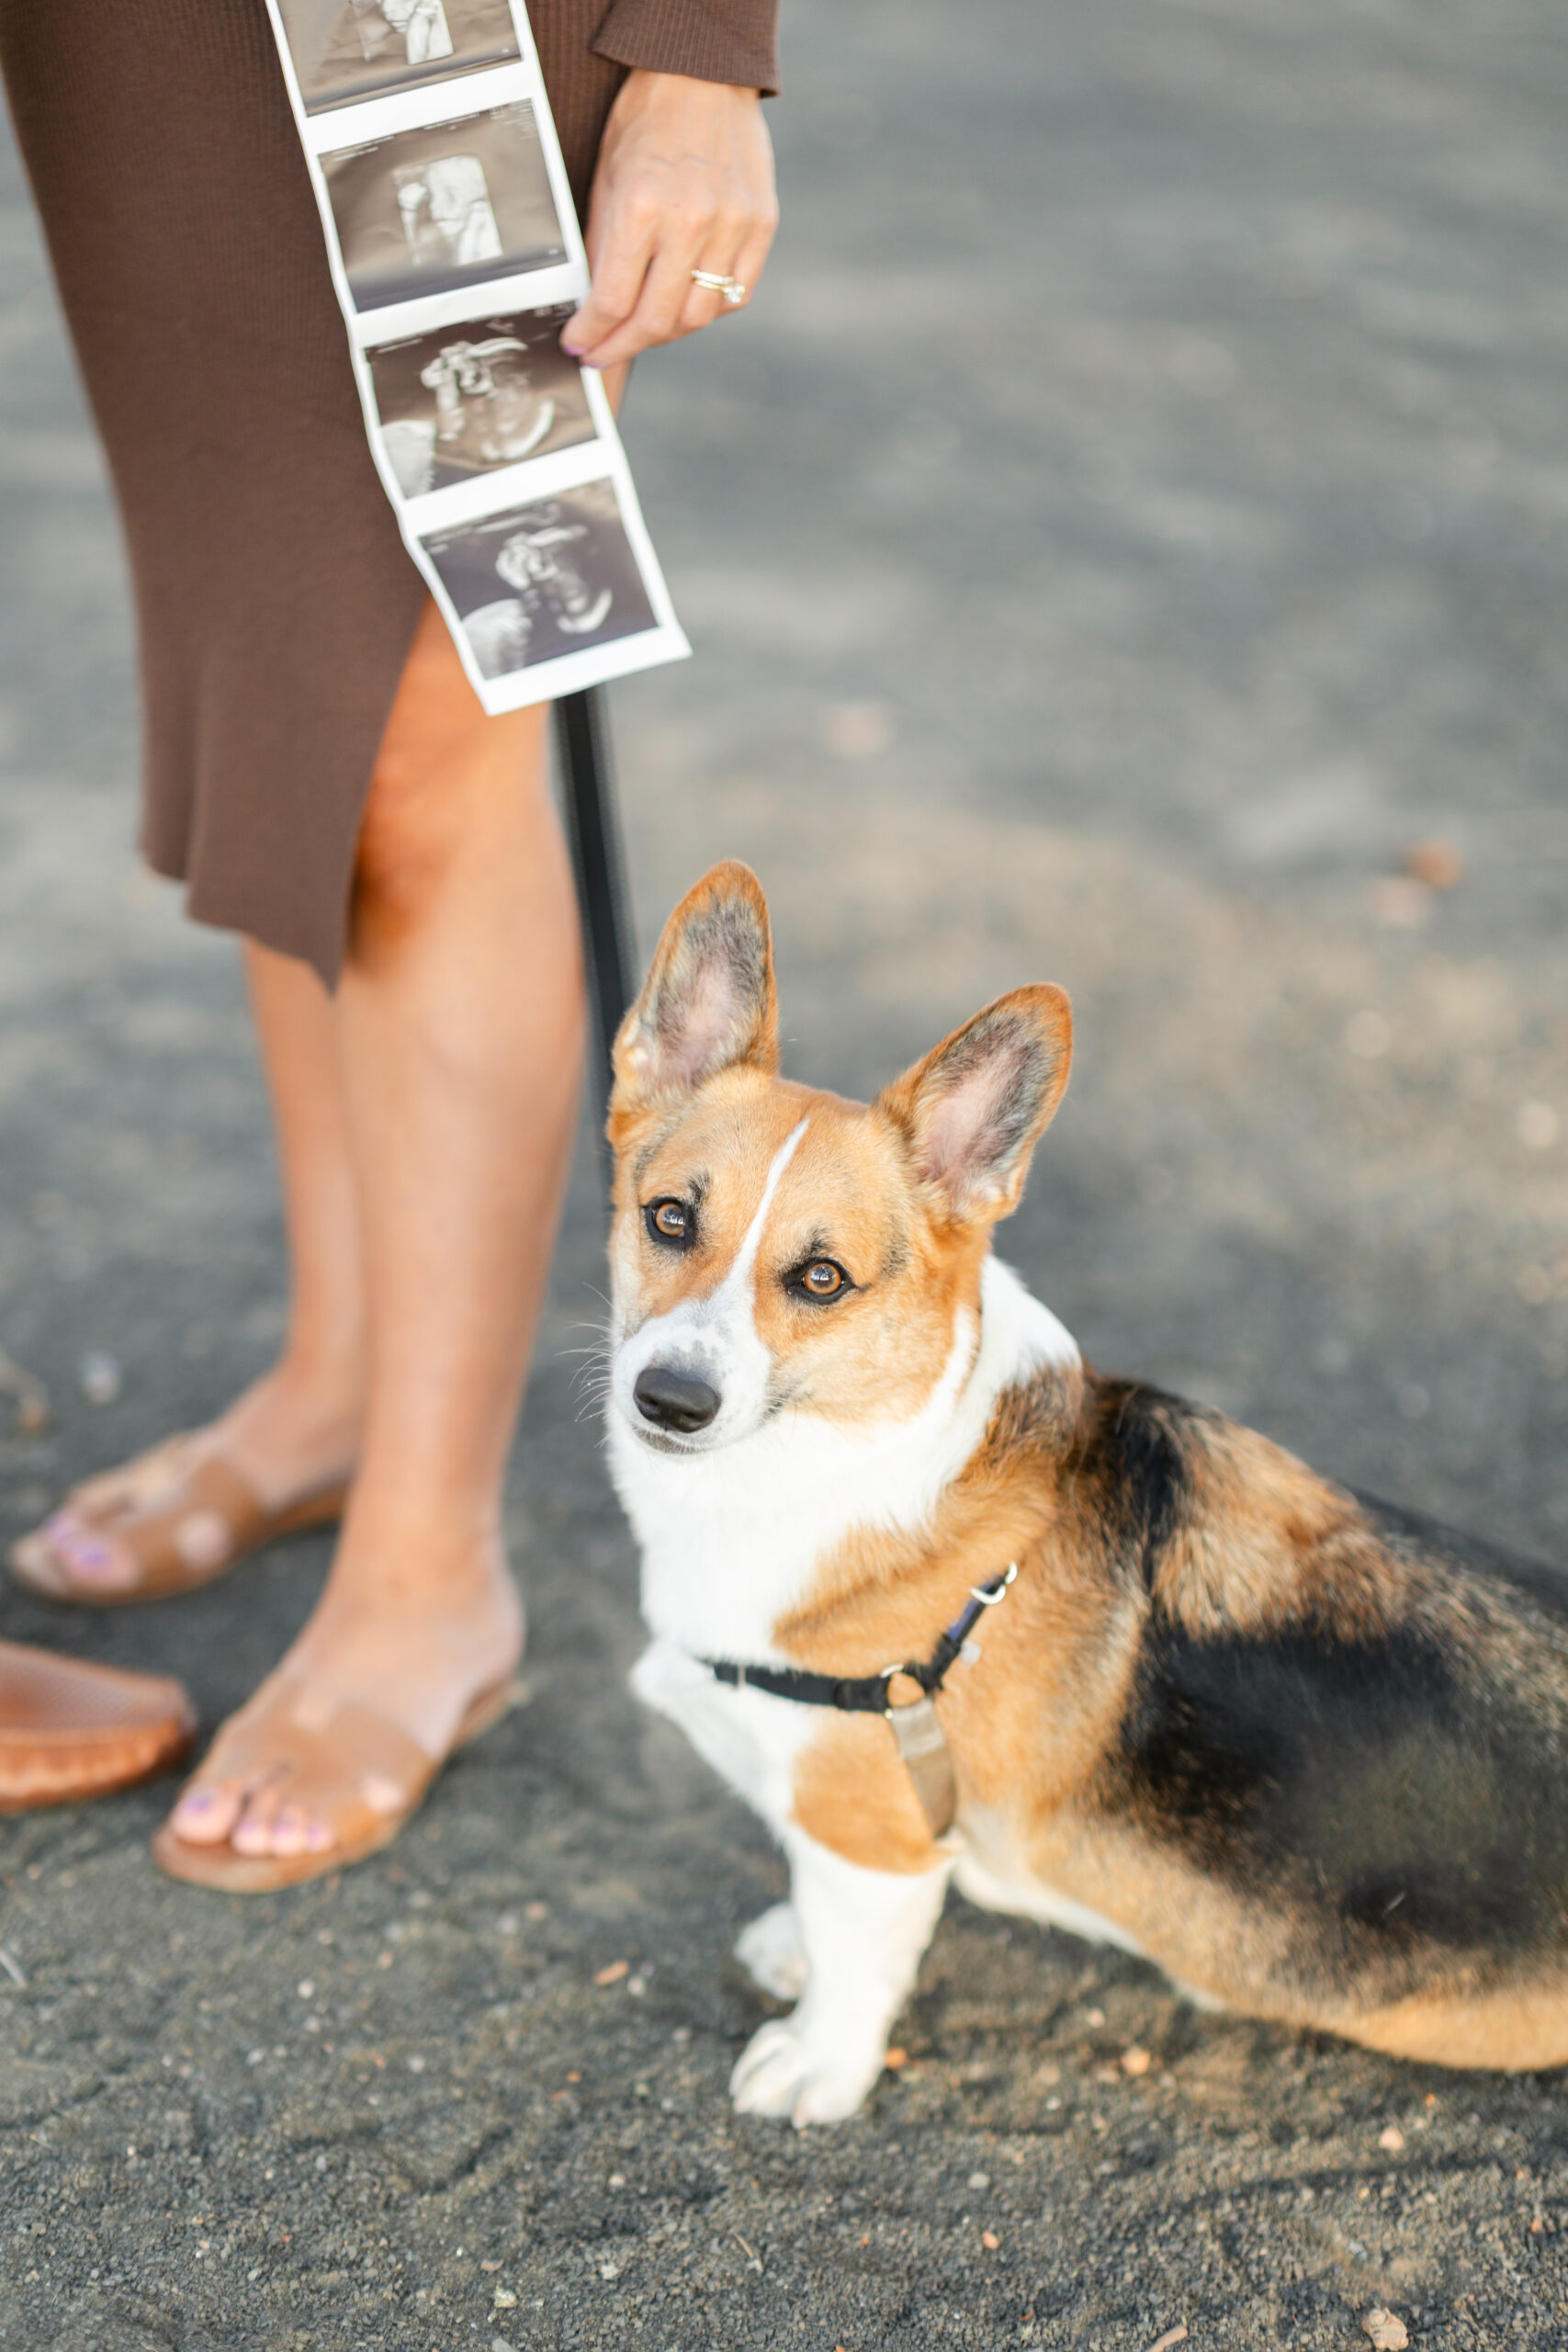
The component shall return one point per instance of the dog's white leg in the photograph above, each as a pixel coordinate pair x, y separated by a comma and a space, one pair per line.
772, 1954
861, 1933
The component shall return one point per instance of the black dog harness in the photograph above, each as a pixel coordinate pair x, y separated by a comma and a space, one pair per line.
921, 1741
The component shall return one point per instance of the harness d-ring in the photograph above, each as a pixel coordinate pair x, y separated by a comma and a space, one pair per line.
989, 1599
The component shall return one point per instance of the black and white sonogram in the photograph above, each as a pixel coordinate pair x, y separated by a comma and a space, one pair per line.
539, 580
344, 50
464, 400
451, 204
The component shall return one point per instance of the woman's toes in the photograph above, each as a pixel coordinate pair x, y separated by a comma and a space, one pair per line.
89, 1557
294, 1831
204, 1817
256, 1831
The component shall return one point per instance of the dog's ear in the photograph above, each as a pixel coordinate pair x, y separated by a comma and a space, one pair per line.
709, 1001
972, 1112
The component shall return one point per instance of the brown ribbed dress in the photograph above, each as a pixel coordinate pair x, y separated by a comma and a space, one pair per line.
275, 599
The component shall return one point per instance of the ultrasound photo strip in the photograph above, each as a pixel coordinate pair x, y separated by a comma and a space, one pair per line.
549, 579
346, 49
429, 192
456, 258
459, 401
438, 206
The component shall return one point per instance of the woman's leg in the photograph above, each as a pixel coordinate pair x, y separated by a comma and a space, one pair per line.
296, 1431
299, 1425
459, 1027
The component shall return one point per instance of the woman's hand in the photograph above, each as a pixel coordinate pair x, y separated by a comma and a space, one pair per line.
684, 181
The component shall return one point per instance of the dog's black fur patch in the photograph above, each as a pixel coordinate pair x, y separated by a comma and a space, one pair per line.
1392, 1794
1133, 1453
1376, 1787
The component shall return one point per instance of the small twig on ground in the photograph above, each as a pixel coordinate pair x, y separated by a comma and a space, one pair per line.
28, 1390
10, 1967
754, 2257
1172, 2335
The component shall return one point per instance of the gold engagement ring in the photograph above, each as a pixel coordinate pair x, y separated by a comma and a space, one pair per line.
717, 283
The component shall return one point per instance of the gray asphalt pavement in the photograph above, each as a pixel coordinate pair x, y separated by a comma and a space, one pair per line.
1132, 521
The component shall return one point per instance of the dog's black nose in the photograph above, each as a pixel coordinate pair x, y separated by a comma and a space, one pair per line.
674, 1400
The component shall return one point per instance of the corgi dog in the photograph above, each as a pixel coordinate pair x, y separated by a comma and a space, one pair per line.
941, 1601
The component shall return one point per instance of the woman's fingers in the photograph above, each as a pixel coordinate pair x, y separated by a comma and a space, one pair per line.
740, 259
669, 304
625, 246
700, 305
668, 300
684, 182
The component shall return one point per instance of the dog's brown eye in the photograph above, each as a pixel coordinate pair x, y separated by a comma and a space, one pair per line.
670, 1221
822, 1279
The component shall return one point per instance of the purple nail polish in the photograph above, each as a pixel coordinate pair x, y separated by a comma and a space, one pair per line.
572, 350
198, 1801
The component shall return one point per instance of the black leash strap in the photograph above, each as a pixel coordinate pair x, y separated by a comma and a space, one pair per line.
594, 828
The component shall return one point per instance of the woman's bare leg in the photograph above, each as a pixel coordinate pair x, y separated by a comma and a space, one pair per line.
296, 1431
459, 1028
301, 1424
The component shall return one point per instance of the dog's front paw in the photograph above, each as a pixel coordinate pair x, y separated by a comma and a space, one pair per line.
772, 1953
781, 2072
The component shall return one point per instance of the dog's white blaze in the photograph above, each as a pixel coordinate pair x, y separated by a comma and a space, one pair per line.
740, 1275
715, 1337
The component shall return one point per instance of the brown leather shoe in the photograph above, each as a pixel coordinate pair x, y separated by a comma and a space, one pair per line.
69, 1730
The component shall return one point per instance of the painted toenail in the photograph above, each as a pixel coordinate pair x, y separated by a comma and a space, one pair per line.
198, 1801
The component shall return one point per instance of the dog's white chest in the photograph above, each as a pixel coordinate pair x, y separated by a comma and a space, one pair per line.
732, 1541
731, 1547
